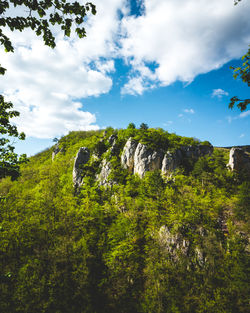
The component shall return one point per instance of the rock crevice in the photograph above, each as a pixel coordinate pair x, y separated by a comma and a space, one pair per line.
81, 158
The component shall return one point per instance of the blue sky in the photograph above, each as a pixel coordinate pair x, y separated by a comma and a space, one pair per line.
165, 63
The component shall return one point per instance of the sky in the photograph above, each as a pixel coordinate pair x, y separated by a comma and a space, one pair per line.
162, 62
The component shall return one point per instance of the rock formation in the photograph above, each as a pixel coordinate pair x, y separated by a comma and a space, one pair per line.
56, 151
127, 157
105, 171
146, 160
172, 243
138, 158
172, 160
81, 158
239, 160
112, 141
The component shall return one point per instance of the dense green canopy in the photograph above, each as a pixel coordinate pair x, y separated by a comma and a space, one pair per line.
151, 245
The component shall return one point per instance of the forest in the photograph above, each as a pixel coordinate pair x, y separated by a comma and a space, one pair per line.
158, 244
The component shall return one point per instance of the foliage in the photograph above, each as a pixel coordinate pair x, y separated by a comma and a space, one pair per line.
9, 161
143, 126
150, 245
41, 16
244, 73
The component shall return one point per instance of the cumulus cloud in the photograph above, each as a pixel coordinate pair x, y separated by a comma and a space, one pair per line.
241, 115
190, 111
168, 123
182, 39
46, 85
244, 114
165, 42
219, 93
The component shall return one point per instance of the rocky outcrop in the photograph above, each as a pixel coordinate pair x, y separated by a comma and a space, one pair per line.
105, 172
81, 158
196, 152
146, 160
172, 160
112, 141
172, 243
56, 151
127, 157
239, 160
139, 159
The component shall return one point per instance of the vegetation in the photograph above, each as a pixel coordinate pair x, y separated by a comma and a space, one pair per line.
9, 160
152, 245
244, 73
40, 17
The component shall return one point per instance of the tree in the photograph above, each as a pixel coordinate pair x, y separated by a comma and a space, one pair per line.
59, 12
41, 16
9, 161
244, 73
131, 126
143, 126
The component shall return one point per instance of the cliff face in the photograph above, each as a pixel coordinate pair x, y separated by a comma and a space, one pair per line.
137, 158
239, 160
146, 159
127, 157
81, 158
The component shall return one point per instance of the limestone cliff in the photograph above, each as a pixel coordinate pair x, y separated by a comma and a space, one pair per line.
172, 160
146, 159
139, 159
105, 172
239, 160
81, 158
127, 157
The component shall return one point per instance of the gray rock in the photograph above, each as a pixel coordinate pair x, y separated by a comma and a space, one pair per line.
127, 157
105, 172
112, 139
56, 151
172, 243
81, 158
196, 152
146, 160
238, 160
200, 257
173, 160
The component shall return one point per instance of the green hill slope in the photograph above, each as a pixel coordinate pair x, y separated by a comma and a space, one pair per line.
161, 243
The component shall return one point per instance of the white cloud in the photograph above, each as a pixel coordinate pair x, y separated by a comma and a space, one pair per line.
244, 114
230, 119
190, 111
46, 85
219, 93
182, 39
241, 115
171, 40
168, 123
242, 136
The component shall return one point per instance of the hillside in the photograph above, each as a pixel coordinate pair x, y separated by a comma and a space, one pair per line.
130, 220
